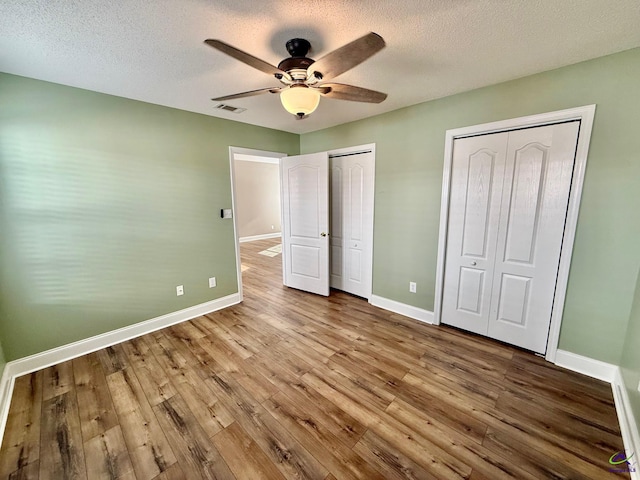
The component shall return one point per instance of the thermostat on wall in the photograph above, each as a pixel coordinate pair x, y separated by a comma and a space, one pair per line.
226, 213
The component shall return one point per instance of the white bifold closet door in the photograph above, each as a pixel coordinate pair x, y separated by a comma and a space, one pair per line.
352, 190
507, 210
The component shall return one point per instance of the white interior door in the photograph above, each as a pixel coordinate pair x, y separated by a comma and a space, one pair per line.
508, 204
534, 207
304, 181
474, 209
352, 190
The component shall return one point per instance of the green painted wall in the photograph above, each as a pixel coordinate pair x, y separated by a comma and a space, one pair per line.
630, 364
409, 159
106, 204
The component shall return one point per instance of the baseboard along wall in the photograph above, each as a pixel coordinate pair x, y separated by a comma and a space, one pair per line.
628, 425
402, 308
32, 363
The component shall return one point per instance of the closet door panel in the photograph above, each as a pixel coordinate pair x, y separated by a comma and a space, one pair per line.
476, 191
538, 175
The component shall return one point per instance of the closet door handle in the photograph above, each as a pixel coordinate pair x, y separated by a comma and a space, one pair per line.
323, 234
473, 264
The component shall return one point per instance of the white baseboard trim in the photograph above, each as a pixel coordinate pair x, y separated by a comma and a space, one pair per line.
586, 366
402, 308
32, 363
628, 425
259, 237
6, 390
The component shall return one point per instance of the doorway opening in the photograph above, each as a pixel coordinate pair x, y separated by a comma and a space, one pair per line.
256, 203
346, 198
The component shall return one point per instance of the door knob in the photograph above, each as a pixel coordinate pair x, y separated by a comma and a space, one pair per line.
473, 264
323, 234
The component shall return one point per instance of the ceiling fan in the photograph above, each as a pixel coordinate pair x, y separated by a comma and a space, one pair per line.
303, 78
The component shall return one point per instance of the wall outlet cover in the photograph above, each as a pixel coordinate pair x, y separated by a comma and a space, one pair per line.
412, 287
212, 282
179, 290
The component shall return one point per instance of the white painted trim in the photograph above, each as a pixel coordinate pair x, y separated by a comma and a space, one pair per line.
586, 366
354, 149
6, 390
243, 157
264, 236
402, 308
628, 425
585, 115
32, 363
244, 152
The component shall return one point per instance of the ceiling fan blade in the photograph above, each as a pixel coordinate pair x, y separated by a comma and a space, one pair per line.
245, 58
250, 93
346, 57
340, 91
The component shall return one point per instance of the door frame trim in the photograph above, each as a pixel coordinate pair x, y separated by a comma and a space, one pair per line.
354, 150
586, 116
243, 151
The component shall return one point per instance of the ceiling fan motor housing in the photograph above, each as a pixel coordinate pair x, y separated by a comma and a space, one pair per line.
298, 49
295, 63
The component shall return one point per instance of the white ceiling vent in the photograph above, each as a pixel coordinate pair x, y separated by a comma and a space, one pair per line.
229, 108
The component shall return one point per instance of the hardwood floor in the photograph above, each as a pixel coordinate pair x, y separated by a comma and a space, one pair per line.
292, 385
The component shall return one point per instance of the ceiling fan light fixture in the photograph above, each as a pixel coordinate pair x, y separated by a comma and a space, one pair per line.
300, 100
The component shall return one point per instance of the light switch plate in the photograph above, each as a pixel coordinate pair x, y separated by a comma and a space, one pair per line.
179, 290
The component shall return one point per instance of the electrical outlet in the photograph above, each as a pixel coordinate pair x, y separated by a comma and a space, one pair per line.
180, 290
412, 287
212, 282
639, 386
273, 227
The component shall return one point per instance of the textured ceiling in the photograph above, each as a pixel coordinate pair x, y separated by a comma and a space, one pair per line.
153, 50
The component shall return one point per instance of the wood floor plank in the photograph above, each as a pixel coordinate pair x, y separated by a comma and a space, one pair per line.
95, 407
61, 449
340, 423
585, 437
155, 382
113, 359
522, 432
389, 460
21, 442
171, 360
57, 379
198, 457
420, 450
244, 456
315, 437
527, 458
107, 456
471, 453
27, 472
148, 447
174, 472
205, 406
283, 450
